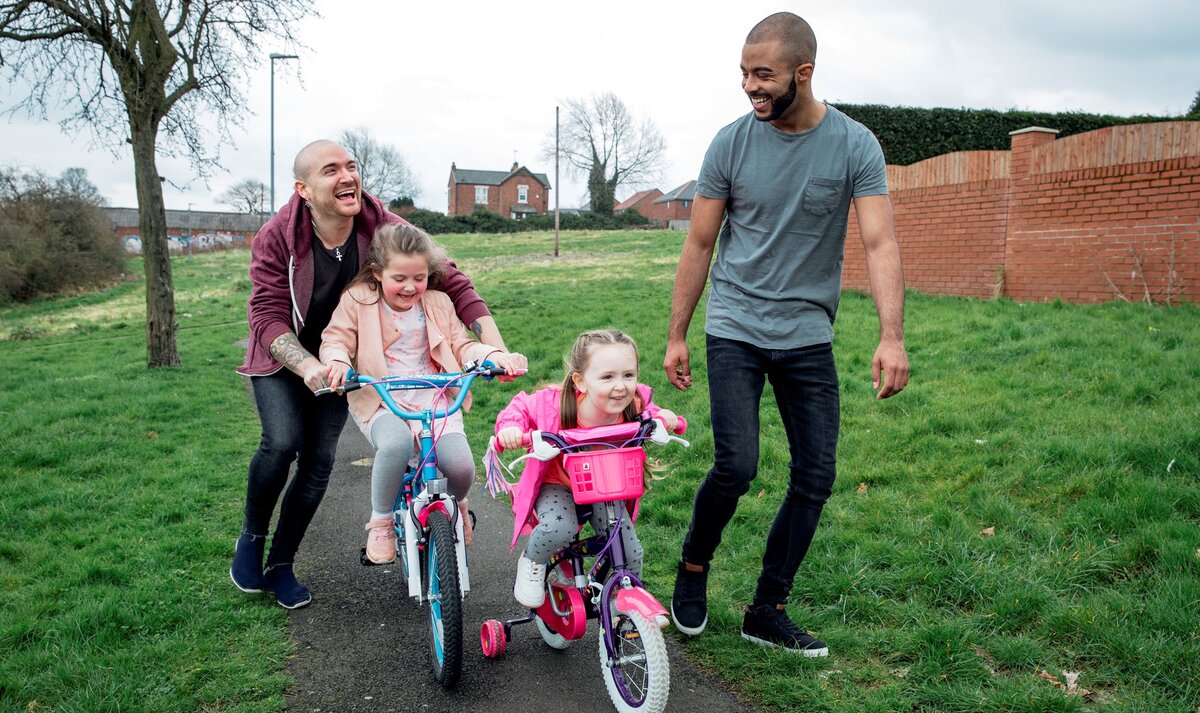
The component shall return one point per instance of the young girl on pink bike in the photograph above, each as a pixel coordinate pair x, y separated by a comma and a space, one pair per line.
388, 324
600, 388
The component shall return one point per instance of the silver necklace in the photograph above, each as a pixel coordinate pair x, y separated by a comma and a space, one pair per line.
337, 250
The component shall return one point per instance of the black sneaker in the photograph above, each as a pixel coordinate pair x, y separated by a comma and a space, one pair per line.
280, 580
767, 625
689, 604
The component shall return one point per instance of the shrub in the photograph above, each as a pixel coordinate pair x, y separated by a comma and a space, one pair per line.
53, 237
484, 221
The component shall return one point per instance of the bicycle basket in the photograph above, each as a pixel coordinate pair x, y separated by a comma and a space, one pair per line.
600, 475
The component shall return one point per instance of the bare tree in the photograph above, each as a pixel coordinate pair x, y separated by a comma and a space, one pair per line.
136, 71
74, 182
602, 140
249, 196
385, 173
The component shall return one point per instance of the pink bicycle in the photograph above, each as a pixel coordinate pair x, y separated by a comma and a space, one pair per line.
605, 466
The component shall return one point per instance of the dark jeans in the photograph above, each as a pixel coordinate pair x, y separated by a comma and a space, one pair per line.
805, 382
296, 427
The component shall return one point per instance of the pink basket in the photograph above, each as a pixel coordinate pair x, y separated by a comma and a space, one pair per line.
600, 475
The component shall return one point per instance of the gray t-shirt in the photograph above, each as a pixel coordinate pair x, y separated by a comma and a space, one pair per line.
778, 273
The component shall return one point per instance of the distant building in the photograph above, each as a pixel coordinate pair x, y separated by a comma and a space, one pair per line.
515, 193
202, 229
677, 205
643, 202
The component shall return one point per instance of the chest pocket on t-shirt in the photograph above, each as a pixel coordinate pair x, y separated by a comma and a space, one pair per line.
821, 195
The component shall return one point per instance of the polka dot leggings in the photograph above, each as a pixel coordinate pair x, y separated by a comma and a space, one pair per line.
558, 524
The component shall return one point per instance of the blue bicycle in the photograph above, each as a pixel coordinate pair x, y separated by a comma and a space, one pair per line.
428, 527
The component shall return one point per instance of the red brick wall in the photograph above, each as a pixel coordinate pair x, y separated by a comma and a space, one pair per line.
506, 194
1105, 215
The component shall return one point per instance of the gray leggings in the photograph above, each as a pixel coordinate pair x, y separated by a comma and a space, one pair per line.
394, 443
558, 525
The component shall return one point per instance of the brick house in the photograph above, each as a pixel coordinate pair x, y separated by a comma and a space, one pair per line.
515, 193
643, 202
676, 206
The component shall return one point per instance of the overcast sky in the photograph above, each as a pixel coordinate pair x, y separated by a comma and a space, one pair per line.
477, 82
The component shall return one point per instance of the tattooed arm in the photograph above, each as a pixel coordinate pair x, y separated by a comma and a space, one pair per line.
287, 350
485, 330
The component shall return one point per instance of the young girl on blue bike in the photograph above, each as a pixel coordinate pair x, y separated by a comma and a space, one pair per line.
600, 388
388, 324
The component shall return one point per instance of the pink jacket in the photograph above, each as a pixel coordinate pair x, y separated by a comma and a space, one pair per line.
540, 411
359, 330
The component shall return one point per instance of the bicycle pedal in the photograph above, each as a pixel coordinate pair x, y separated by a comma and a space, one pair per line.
366, 561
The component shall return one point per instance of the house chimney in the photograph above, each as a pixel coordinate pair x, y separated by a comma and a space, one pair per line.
515, 165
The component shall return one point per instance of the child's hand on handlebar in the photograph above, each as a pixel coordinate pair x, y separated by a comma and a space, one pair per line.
510, 437
669, 419
336, 373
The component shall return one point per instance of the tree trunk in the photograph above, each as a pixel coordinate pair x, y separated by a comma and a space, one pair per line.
161, 349
601, 191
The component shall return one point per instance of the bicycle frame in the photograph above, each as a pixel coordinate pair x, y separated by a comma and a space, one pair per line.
424, 489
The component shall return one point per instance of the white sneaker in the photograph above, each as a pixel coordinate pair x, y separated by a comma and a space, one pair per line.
530, 588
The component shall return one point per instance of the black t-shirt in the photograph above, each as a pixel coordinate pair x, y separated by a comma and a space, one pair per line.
330, 277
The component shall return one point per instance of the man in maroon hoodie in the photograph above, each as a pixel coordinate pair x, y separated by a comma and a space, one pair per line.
299, 263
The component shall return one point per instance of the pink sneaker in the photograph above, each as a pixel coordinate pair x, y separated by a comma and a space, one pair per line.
381, 541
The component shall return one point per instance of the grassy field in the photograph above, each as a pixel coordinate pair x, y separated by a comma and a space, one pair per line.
1028, 507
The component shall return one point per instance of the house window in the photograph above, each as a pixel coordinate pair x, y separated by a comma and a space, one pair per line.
522, 194
481, 194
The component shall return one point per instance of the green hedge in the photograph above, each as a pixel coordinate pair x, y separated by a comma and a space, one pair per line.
911, 134
484, 221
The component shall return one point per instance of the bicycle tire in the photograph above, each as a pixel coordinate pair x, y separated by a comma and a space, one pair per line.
443, 595
639, 679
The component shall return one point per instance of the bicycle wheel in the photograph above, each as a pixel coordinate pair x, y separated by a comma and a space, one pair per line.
445, 601
638, 676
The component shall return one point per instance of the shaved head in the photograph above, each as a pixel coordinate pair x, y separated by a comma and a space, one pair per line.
303, 167
794, 35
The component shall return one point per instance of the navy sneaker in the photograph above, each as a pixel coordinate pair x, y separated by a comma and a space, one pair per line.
768, 625
246, 570
280, 580
689, 603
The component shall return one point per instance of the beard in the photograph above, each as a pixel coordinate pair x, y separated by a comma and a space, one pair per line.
780, 104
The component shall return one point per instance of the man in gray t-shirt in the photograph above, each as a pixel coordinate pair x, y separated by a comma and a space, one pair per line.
782, 177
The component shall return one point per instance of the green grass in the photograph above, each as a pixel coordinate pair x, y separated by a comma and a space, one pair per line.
1071, 430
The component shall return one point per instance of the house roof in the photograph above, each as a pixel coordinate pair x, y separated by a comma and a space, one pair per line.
686, 192
196, 221
636, 198
491, 178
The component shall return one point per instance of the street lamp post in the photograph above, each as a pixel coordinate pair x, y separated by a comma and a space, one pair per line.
274, 56
189, 235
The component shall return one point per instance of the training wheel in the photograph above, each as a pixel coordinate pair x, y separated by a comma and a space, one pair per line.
492, 638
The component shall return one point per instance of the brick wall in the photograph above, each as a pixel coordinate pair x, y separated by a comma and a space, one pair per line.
1109, 214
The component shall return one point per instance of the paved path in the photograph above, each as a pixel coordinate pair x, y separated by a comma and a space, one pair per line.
362, 642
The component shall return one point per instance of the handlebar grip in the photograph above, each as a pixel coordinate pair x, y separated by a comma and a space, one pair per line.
526, 442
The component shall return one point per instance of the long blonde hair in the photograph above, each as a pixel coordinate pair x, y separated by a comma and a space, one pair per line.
400, 239
577, 361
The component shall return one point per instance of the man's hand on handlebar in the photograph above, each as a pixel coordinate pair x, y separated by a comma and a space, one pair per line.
513, 363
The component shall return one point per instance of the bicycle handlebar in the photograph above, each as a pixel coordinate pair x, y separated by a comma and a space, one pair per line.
384, 385
546, 445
